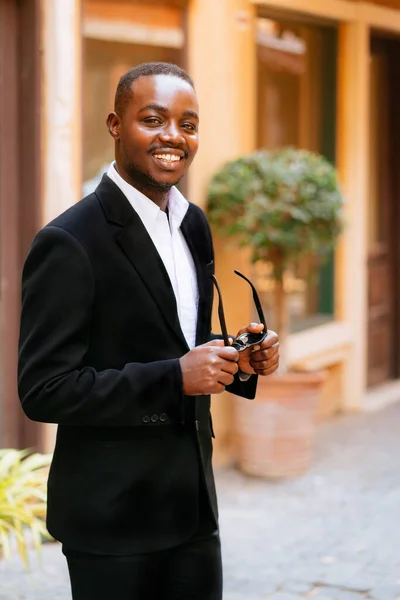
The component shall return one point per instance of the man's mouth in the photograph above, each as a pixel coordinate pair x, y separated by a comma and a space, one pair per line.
169, 160
168, 157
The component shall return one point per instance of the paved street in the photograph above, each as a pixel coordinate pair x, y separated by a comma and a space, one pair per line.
333, 534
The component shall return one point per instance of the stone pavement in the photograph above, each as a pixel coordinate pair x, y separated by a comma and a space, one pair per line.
333, 534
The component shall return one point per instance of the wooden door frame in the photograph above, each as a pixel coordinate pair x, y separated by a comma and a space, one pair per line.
389, 46
394, 83
20, 190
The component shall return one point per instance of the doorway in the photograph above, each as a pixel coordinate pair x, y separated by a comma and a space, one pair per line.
296, 106
383, 260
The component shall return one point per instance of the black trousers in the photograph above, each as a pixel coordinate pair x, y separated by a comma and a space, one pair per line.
192, 571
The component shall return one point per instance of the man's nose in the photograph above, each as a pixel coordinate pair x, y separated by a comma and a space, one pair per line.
172, 134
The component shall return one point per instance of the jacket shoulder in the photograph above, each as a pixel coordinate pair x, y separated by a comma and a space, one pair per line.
74, 214
83, 220
197, 211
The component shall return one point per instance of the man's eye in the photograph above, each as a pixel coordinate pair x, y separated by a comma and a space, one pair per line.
152, 121
189, 126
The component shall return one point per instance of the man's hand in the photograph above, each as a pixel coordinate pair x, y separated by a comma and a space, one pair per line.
262, 359
209, 368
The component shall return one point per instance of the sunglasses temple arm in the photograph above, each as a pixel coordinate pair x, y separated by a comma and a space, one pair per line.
221, 314
256, 300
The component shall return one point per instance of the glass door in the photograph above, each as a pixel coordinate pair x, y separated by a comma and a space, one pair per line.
297, 107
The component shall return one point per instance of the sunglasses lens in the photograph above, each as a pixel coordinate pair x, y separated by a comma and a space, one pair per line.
250, 339
239, 345
257, 338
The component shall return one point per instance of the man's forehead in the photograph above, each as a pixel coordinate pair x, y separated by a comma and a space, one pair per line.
168, 90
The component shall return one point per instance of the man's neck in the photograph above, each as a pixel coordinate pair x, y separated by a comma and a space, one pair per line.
159, 197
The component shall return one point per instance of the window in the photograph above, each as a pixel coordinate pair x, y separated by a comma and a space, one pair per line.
119, 35
297, 107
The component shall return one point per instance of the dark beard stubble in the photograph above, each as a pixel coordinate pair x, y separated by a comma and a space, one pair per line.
145, 180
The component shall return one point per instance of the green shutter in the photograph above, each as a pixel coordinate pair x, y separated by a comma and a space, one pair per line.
328, 149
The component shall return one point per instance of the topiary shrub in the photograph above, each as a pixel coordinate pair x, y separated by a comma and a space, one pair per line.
283, 205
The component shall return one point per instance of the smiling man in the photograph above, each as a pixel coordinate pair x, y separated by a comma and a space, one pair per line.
115, 349
155, 126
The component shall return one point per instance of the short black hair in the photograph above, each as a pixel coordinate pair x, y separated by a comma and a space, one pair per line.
124, 88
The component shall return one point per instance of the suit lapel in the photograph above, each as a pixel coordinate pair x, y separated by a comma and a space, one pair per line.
135, 242
196, 239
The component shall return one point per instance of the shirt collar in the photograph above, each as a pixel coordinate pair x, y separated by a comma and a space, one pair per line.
147, 210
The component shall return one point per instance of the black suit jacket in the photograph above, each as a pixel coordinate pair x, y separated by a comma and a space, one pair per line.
100, 343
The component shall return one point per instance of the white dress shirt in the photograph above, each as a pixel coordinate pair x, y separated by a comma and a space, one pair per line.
171, 245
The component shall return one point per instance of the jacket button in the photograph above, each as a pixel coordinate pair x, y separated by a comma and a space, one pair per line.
146, 419
163, 417
154, 418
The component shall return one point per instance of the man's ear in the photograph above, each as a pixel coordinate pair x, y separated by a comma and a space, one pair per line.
113, 123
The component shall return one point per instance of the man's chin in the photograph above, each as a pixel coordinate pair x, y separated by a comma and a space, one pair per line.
156, 181
162, 184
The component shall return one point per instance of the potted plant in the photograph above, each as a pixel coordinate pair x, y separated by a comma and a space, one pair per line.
23, 480
283, 205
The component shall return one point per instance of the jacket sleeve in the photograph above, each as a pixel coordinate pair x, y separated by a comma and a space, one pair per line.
54, 384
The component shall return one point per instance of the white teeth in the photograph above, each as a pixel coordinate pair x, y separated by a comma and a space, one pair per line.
168, 157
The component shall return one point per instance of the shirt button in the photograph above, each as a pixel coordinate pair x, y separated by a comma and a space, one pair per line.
163, 417
154, 418
146, 419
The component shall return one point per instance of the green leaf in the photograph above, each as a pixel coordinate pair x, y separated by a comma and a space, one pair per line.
284, 203
23, 481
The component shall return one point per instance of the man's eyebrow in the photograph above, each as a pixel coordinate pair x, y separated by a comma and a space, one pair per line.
190, 113
163, 109
155, 107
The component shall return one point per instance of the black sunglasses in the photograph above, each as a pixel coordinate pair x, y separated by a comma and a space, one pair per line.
246, 340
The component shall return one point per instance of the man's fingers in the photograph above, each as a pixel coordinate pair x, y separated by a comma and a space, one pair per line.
228, 353
255, 327
264, 364
230, 367
214, 343
251, 328
219, 344
266, 372
218, 388
266, 368
265, 354
226, 379
271, 339
265, 357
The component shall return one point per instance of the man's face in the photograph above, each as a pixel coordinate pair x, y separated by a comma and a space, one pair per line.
158, 131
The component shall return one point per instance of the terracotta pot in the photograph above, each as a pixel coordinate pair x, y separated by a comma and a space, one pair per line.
275, 433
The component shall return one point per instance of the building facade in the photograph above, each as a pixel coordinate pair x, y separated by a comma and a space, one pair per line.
268, 73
